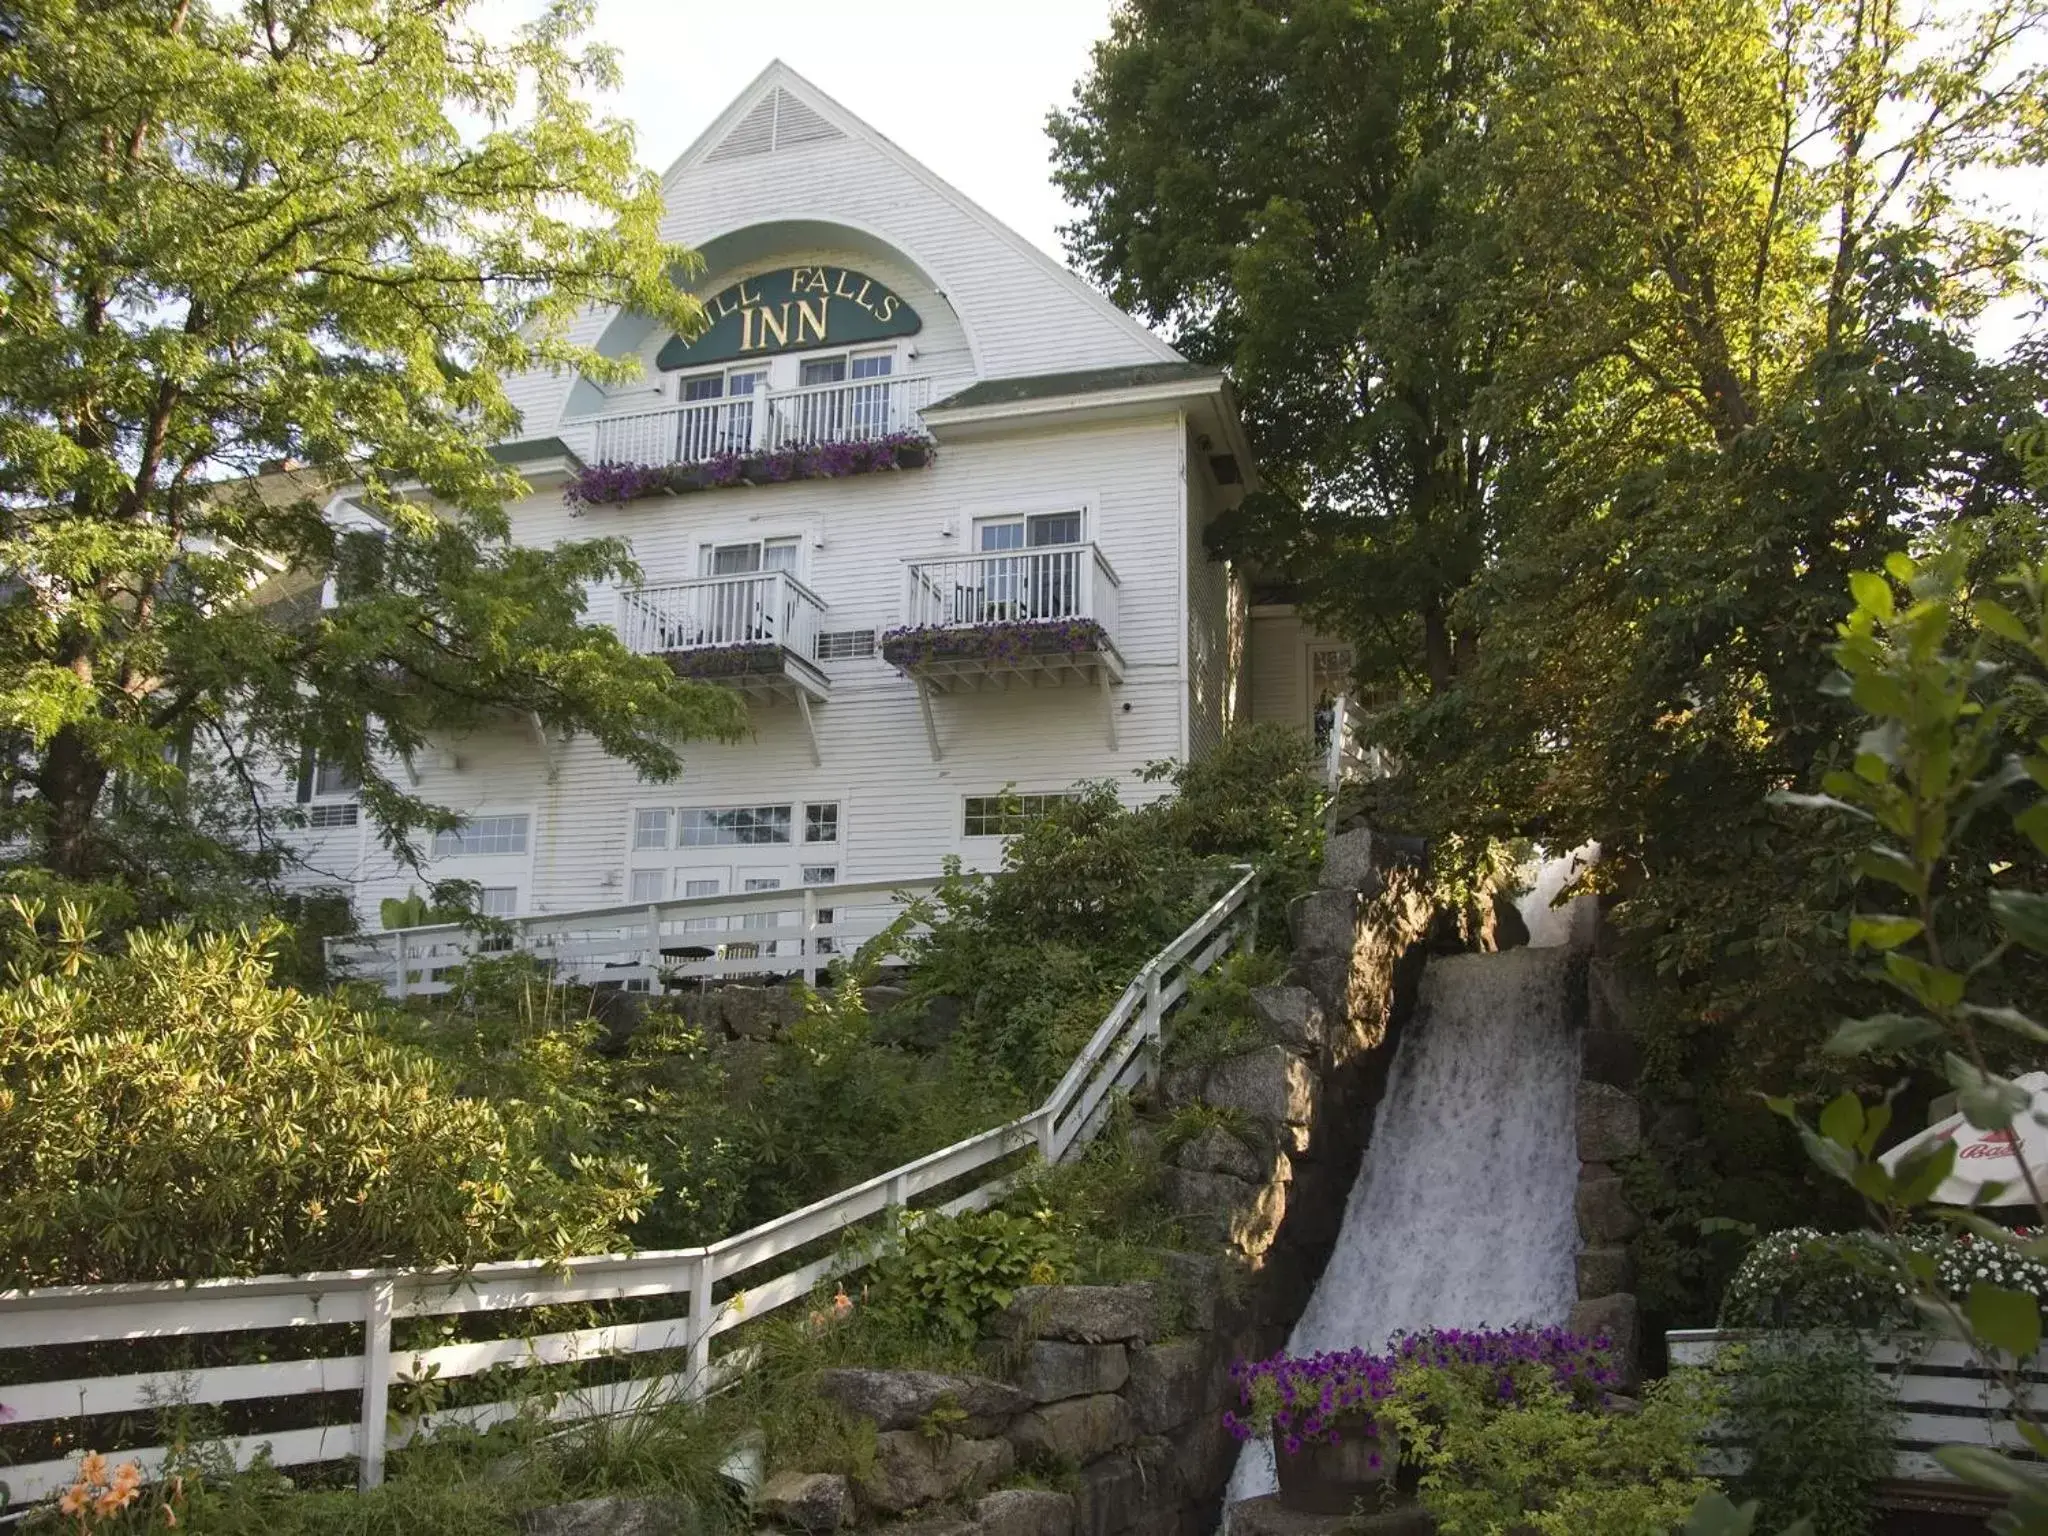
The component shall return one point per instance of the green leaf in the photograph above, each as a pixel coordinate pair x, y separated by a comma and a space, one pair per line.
1842, 1121
1917, 1177
1989, 1102
2007, 1320
1717, 1515
1933, 987
1882, 1033
2000, 620
1873, 594
2032, 824
1879, 862
2008, 1019
1814, 802
1901, 567
2024, 917
1877, 930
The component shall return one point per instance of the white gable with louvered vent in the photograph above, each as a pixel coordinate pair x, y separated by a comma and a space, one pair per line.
787, 175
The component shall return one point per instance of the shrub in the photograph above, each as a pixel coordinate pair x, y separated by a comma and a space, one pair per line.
949, 1274
165, 1112
1817, 1419
1804, 1278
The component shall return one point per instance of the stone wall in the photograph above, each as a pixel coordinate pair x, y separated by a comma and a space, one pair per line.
1113, 1396
1610, 1128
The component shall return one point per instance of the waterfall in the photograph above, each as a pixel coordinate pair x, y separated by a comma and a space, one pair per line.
1462, 1213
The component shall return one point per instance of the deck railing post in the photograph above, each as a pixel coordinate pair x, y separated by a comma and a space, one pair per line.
810, 938
701, 1282
376, 1380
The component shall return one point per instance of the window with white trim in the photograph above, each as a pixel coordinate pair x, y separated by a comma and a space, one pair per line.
1006, 815
693, 888
481, 836
650, 828
647, 885
743, 826
498, 901
779, 554
325, 818
1037, 530
821, 822
821, 874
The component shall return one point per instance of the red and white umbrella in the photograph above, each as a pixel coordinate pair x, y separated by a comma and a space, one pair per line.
1987, 1157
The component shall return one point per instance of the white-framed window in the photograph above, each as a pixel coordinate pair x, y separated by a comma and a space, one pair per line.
718, 415
325, 818
743, 559
498, 901
1006, 815
482, 835
741, 826
647, 885
821, 822
693, 888
650, 828
821, 874
1032, 530
333, 779
761, 883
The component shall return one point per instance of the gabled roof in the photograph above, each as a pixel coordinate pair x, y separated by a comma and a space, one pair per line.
1087, 381
781, 108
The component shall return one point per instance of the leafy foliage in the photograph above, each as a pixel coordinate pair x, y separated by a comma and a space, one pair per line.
1093, 889
168, 1113
1802, 1278
207, 280
1818, 1421
948, 1275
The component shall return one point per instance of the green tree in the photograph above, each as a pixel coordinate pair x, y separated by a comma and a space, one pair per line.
317, 233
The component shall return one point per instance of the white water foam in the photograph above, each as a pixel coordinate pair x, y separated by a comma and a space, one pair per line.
1462, 1214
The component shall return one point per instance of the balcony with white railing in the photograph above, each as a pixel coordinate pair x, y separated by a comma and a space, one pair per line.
762, 423
997, 616
757, 632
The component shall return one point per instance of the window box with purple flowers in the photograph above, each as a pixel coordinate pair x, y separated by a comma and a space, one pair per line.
614, 484
1006, 641
761, 658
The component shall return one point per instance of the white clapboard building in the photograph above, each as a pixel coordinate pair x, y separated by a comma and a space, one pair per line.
933, 503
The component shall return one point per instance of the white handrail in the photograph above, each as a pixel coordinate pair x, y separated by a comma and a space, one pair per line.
756, 608
1035, 585
764, 421
1119, 1057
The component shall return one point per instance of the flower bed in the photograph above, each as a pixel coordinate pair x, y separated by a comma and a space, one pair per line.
1312, 1399
1805, 1278
753, 659
909, 648
613, 483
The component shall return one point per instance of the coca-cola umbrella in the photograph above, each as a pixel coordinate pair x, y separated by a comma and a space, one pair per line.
1986, 1157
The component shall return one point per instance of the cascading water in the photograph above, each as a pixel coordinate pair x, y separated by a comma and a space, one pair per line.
1462, 1212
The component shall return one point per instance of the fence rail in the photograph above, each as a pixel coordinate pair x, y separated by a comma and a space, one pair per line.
715, 1288
1945, 1397
638, 945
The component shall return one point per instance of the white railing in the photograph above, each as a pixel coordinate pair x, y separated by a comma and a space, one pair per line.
763, 422
796, 932
1066, 581
1345, 759
700, 1281
1945, 1396
761, 608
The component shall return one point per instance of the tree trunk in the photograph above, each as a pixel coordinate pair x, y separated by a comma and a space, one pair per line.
1436, 646
70, 784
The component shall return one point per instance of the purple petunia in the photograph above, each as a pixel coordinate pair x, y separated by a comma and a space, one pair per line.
1008, 640
1312, 1398
613, 483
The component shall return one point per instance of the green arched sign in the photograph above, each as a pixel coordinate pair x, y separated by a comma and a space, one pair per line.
792, 309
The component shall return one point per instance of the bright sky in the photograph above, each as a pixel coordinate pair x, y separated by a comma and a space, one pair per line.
962, 85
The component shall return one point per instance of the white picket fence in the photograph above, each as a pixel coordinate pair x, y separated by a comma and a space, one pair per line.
1945, 1396
715, 1288
638, 945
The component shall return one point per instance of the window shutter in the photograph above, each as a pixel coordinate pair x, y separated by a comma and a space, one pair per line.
305, 777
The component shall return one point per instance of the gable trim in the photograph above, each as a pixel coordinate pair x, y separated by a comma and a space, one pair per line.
780, 75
